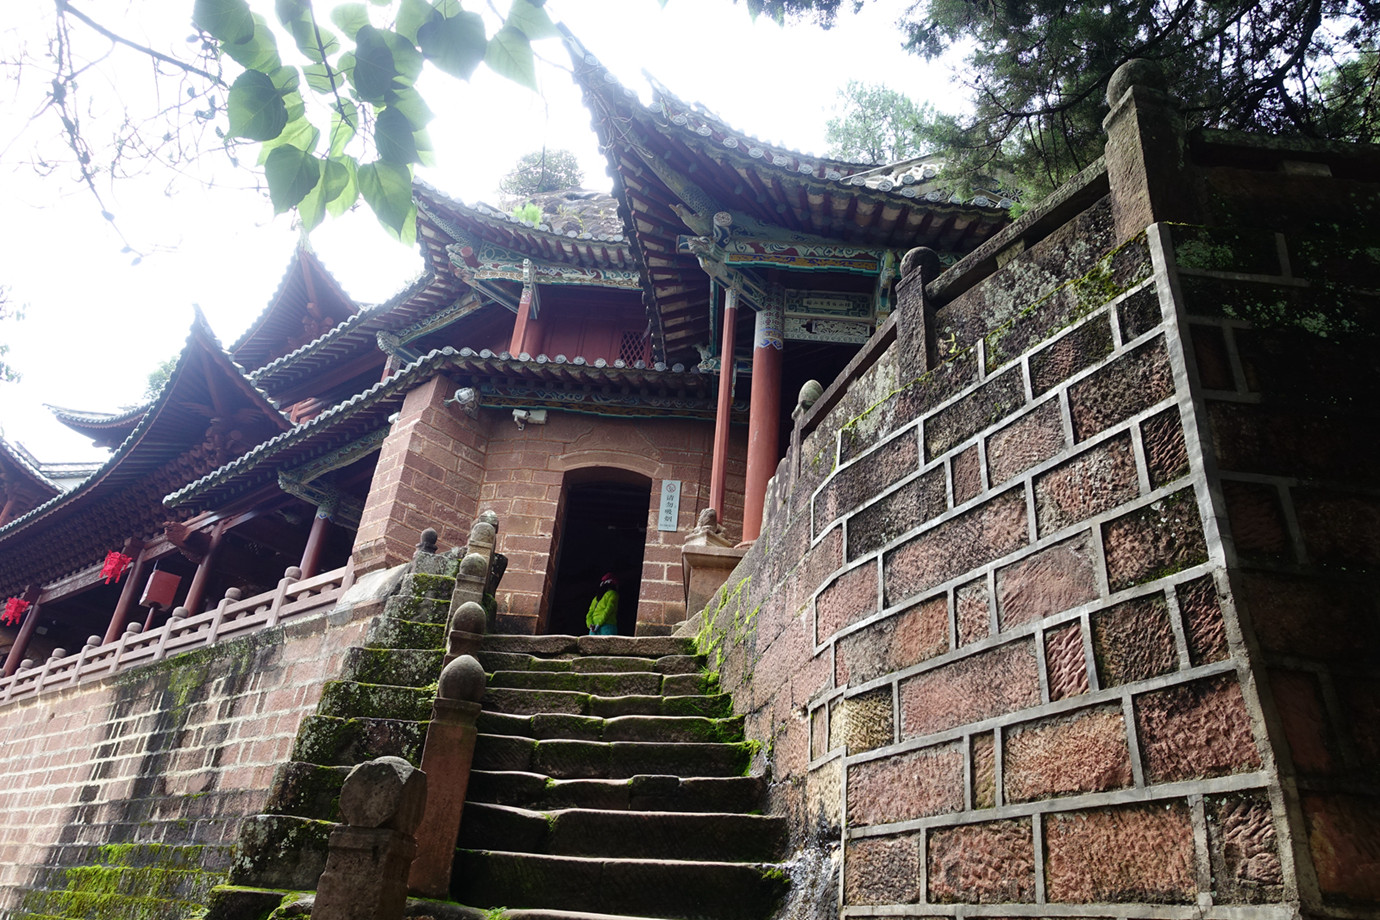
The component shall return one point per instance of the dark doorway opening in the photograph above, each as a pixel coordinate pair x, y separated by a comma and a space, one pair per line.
602, 528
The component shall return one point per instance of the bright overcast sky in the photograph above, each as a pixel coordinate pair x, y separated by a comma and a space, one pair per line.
97, 324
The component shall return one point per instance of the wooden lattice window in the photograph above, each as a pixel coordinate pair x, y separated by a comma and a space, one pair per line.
632, 348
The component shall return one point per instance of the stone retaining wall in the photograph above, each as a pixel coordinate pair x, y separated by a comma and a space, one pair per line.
123, 797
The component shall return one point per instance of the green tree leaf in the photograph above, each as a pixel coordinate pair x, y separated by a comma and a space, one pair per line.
259, 51
343, 126
412, 15
534, 21
323, 78
299, 133
311, 210
255, 107
456, 45
349, 191
384, 61
387, 189
510, 55
410, 103
291, 174
393, 137
350, 18
228, 21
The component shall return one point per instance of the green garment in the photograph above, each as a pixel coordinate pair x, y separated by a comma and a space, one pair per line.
603, 610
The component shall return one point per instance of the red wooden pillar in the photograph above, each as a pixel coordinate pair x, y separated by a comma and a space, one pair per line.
196, 592
527, 331
26, 630
764, 416
316, 540
718, 474
133, 581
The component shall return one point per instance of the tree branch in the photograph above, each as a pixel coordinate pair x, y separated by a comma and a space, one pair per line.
64, 7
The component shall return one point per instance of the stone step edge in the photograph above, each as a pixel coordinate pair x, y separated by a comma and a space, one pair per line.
629, 814
599, 861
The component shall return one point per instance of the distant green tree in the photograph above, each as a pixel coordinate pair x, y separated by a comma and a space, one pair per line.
8, 312
877, 124
1037, 70
157, 378
542, 171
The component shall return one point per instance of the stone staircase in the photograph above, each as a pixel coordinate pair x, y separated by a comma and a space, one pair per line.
610, 779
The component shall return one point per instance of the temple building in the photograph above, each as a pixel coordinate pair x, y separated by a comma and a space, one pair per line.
598, 379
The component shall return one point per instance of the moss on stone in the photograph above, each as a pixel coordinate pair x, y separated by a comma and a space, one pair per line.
132, 881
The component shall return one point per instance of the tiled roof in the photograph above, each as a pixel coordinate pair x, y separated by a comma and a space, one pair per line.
122, 497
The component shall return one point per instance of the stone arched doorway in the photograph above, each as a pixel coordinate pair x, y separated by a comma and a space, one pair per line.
601, 526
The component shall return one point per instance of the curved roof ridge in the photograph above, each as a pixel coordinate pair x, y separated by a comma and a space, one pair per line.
27, 463
484, 211
200, 335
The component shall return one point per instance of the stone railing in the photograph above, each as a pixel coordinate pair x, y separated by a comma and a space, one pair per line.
231, 618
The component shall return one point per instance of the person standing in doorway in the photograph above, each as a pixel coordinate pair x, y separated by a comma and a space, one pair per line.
602, 618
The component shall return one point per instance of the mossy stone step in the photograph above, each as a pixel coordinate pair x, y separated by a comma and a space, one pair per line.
646, 792
398, 667
626, 834
332, 741
520, 701
617, 684
349, 699
306, 790
564, 759
280, 851
620, 728
666, 664
646, 887
558, 646
435, 611
395, 632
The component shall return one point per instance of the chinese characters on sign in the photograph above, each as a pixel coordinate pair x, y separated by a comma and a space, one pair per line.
670, 505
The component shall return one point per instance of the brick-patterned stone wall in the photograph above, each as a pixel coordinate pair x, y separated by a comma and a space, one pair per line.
526, 470
428, 475
1284, 320
152, 771
989, 639
439, 467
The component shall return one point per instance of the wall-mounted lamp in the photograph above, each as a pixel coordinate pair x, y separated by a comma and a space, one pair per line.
523, 417
467, 398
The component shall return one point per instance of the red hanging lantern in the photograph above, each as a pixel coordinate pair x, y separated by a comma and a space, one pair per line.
115, 565
14, 611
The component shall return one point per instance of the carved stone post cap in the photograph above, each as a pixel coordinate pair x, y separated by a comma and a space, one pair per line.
474, 566
924, 260
489, 517
292, 572
133, 629
1136, 72
58, 653
462, 679
385, 792
93, 641
809, 394
233, 594
26, 665
468, 617
427, 543
483, 532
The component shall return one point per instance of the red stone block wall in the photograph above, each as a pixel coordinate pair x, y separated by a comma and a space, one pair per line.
428, 475
526, 470
439, 468
171, 754
989, 640
1284, 325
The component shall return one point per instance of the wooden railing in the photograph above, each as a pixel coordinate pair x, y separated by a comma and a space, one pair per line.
231, 618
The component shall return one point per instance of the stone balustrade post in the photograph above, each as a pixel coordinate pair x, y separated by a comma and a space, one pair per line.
275, 611
446, 759
382, 802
